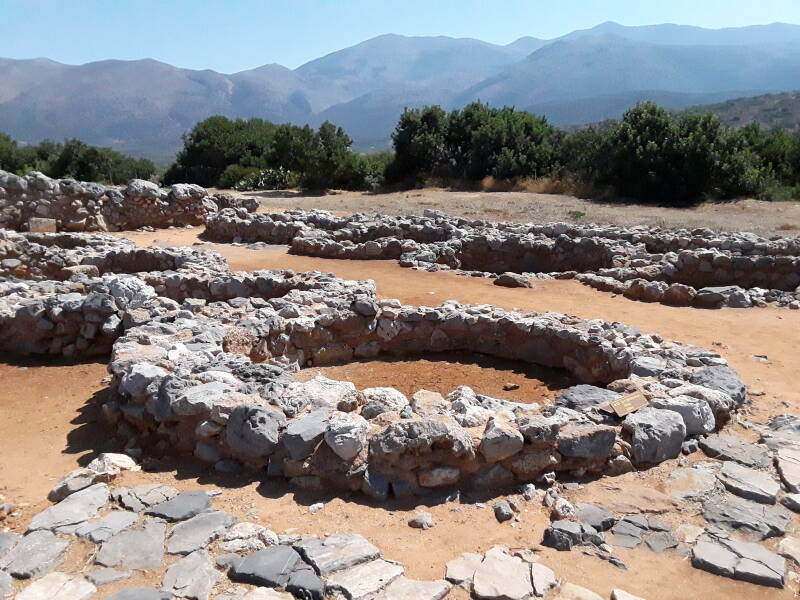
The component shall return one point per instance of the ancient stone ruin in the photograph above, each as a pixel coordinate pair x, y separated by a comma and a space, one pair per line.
30, 202
700, 268
203, 361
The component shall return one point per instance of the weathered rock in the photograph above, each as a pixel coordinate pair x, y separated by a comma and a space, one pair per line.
617, 594
749, 483
501, 438
271, 567
656, 435
181, 507
58, 585
143, 496
586, 440
73, 510
136, 549
347, 435
248, 538
192, 577
422, 520
461, 570
303, 434
6, 585
696, 413
790, 501
755, 520
691, 483
7, 541
512, 280
36, 553
380, 400
543, 579
252, 431
583, 396
723, 379
319, 392
745, 561
336, 552
627, 534
365, 580
403, 588
503, 511
563, 535
727, 447
198, 532
99, 530
72, 482
787, 461
429, 404
139, 593
661, 541
502, 577
101, 576
790, 548
594, 515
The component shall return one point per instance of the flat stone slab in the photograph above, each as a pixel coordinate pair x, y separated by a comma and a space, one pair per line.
143, 496
364, 581
543, 579
503, 577
787, 460
100, 530
271, 567
183, 506
749, 518
570, 591
462, 569
728, 447
7, 541
104, 575
65, 516
36, 553
403, 588
595, 515
691, 483
745, 561
192, 577
56, 586
139, 593
336, 552
136, 549
749, 483
6, 584
198, 532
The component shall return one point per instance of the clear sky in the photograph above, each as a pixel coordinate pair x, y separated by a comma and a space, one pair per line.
233, 35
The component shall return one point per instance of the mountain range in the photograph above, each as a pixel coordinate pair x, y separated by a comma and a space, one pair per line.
144, 106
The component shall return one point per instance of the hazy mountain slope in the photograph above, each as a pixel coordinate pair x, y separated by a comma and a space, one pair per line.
774, 34
144, 106
140, 105
388, 60
768, 110
600, 65
599, 108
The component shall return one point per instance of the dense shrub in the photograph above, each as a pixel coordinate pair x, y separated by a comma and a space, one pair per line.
73, 159
473, 143
258, 155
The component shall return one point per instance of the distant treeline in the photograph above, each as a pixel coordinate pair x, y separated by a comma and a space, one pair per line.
650, 155
73, 159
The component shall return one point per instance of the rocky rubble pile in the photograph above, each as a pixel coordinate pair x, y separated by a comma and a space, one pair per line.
699, 268
84, 206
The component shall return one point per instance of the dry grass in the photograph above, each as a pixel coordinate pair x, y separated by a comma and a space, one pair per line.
531, 204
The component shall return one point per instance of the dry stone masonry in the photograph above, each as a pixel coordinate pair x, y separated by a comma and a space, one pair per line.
700, 268
33, 201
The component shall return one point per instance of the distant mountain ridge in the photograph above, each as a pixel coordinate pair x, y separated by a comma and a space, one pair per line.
144, 106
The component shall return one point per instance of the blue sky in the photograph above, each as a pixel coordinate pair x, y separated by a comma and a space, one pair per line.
232, 35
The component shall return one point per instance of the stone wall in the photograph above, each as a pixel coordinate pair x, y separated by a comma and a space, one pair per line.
698, 268
84, 206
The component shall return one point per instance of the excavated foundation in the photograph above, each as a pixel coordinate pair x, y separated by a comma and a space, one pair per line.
203, 362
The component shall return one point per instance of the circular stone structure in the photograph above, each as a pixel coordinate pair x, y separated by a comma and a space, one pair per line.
698, 267
202, 362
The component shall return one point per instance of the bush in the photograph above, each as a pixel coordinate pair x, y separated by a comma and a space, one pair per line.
267, 179
233, 174
73, 159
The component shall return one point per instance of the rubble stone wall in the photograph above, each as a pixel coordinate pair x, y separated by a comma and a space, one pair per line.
85, 206
699, 268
